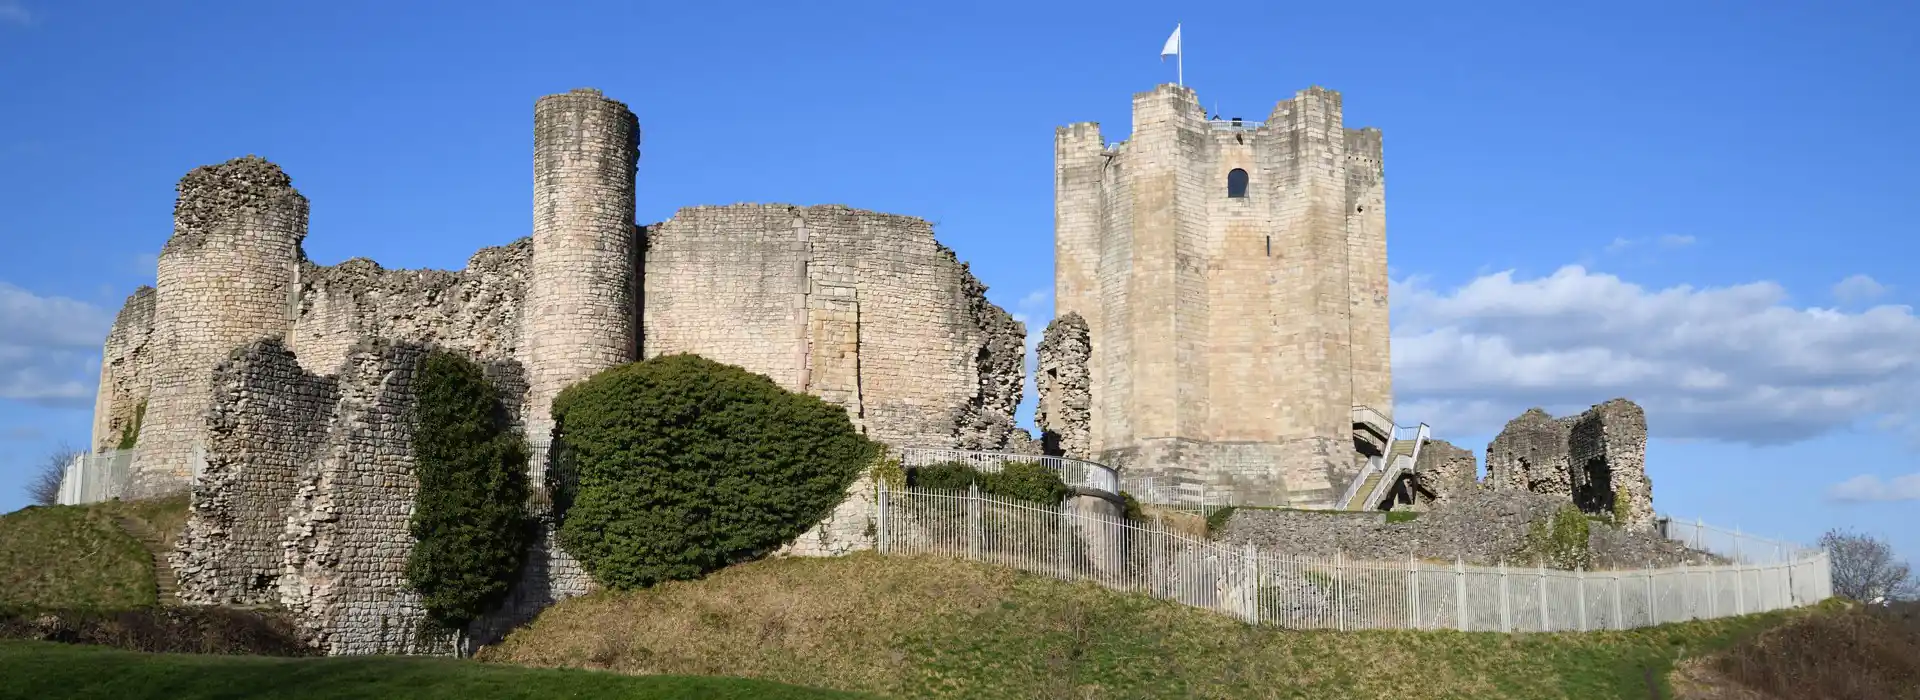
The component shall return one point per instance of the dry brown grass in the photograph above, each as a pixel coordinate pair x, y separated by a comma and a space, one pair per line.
1855, 654
1177, 522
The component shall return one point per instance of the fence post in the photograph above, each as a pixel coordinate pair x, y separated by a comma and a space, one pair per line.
1413, 592
1065, 524
973, 521
1619, 623
1506, 606
1686, 592
1739, 589
1541, 572
1653, 604
1252, 557
881, 527
1580, 589
1340, 587
1459, 593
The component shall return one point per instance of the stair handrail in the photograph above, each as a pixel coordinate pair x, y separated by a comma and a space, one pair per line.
1406, 463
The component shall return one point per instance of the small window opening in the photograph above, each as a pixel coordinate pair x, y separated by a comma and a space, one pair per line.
1269, 246
1237, 183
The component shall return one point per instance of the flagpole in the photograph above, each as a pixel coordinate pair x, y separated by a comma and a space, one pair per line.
1180, 59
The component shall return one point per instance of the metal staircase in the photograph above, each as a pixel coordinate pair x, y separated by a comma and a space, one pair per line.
1372, 484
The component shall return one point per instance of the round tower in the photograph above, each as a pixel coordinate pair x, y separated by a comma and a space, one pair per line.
580, 311
227, 277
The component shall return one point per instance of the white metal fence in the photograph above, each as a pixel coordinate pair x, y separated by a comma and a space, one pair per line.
95, 477
1330, 593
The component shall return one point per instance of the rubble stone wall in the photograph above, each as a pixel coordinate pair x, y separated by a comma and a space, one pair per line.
476, 309
1563, 458
1065, 388
126, 367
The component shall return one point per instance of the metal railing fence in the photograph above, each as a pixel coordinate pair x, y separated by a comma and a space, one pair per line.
96, 477
1329, 592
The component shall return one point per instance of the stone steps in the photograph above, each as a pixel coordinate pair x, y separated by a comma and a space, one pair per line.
166, 581
1359, 501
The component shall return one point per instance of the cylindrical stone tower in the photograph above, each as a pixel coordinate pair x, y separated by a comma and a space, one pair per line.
580, 315
226, 278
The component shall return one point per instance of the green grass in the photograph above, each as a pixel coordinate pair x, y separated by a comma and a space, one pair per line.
71, 557
1401, 516
46, 670
923, 627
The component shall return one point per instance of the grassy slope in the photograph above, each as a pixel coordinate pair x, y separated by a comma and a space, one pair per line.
71, 557
45, 670
931, 627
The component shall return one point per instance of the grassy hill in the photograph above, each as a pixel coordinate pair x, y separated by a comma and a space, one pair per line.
47, 670
922, 627
72, 557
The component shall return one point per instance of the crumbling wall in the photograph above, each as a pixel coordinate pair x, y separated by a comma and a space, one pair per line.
225, 279
863, 309
1596, 459
267, 425
1446, 471
476, 309
1607, 453
1065, 388
851, 527
1530, 453
126, 365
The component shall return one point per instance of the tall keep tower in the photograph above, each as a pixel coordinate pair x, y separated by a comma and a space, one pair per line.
227, 277
1233, 278
581, 311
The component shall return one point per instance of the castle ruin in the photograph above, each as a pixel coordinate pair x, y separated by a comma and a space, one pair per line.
1232, 278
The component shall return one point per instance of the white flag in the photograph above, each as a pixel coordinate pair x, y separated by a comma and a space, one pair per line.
1173, 44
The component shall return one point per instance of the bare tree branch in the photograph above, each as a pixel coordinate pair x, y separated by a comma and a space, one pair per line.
43, 488
1865, 568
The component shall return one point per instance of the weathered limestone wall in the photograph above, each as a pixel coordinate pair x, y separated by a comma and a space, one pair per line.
226, 278
1446, 471
580, 314
851, 527
1597, 460
126, 367
1063, 384
267, 427
476, 309
1530, 453
865, 310
1231, 335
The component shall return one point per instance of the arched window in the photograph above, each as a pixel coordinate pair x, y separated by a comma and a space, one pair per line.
1237, 183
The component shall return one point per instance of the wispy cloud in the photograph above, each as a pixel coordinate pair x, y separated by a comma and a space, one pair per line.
1869, 488
49, 348
1858, 288
14, 12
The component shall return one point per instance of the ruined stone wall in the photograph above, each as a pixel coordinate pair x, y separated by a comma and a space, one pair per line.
476, 309
1232, 334
1596, 459
226, 278
1063, 384
1446, 471
126, 367
267, 427
1530, 453
865, 310
580, 314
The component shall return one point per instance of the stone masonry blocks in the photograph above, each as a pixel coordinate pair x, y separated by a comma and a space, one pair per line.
580, 308
1064, 387
225, 279
1596, 459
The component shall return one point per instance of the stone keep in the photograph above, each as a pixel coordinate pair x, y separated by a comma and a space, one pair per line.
1233, 279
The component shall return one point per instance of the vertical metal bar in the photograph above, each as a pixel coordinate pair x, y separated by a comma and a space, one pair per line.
881, 527
1580, 588
1460, 593
1541, 574
1413, 593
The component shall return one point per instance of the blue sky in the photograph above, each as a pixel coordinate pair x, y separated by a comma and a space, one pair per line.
1707, 207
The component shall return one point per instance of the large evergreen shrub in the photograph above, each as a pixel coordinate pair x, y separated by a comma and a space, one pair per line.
683, 465
470, 525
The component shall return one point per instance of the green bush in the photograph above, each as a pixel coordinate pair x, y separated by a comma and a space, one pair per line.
1217, 520
1559, 542
469, 524
1024, 481
684, 465
130, 433
1130, 508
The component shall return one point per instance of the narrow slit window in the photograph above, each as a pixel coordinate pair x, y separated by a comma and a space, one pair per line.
1236, 183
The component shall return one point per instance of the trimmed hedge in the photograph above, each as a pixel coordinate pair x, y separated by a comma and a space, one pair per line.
1026, 481
681, 465
470, 525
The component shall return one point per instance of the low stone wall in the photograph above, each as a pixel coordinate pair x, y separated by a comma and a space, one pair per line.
1478, 525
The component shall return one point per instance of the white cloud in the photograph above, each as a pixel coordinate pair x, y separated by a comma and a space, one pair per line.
13, 12
1868, 487
1735, 363
1858, 288
49, 347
